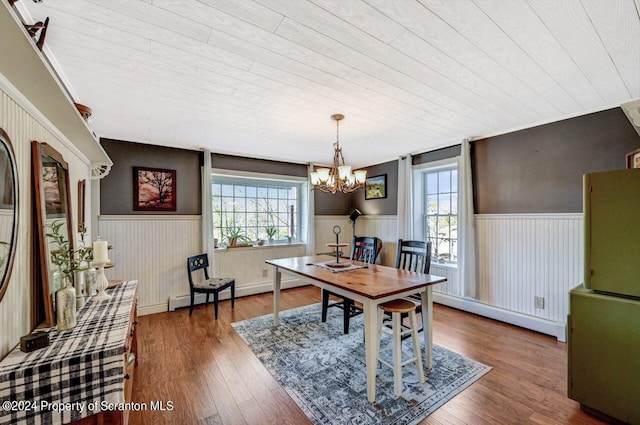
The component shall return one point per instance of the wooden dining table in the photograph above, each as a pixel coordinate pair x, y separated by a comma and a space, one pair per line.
371, 285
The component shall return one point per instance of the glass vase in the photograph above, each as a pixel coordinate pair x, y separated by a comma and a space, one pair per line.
80, 282
66, 305
91, 278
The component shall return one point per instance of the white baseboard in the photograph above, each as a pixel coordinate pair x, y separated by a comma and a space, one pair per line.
556, 329
243, 291
152, 309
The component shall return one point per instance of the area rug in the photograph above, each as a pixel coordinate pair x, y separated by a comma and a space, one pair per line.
323, 370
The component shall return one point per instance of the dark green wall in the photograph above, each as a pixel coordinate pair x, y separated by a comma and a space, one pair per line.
241, 163
328, 204
539, 170
343, 204
437, 155
385, 206
116, 189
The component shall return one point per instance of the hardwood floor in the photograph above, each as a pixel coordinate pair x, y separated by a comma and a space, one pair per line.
209, 374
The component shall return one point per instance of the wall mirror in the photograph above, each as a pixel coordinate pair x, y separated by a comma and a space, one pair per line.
52, 207
8, 210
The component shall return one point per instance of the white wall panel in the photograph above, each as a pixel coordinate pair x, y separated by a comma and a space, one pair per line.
22, 128
324, 231
451, 286
525, 256
154, 249
248, 267
520, 256
384, 227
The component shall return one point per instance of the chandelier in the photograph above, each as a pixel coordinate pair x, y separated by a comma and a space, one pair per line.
338, 178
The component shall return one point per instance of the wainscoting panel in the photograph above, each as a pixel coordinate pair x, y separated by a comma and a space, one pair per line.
381, 226
248, 267
154, 249
22, 127
451, 286
525, 256
324, 231
384, 227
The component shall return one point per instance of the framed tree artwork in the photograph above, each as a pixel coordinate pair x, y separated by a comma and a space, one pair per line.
154, 189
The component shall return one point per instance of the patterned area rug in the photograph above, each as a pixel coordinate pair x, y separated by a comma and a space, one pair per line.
323, 370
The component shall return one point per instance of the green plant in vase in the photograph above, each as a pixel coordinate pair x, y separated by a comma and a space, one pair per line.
271, 232
62, 258
234, 234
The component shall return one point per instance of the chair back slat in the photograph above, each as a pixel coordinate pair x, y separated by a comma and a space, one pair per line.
364, 249
414, 256
195, 263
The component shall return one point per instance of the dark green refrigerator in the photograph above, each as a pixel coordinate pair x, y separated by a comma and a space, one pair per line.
604, 313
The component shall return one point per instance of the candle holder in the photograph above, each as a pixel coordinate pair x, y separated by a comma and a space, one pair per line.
101, 283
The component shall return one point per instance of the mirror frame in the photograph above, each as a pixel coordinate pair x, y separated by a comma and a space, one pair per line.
4, 280
38, 150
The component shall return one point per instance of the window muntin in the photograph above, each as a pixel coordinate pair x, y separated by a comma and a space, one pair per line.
254, 206
441, 213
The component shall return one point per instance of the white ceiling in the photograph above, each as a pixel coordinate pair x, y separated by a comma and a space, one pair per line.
261, 77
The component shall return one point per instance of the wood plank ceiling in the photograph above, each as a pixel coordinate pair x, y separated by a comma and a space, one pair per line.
261, 77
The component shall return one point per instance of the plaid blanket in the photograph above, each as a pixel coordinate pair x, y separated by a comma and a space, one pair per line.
81, 369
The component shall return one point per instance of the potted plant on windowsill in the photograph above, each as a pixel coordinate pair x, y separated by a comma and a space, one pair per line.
271, 232
235, 235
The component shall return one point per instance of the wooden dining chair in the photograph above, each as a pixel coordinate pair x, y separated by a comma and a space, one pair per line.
414, 256
208, 285
364, 249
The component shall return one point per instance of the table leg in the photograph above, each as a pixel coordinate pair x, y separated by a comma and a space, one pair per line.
370, 342
427, 326
277, 277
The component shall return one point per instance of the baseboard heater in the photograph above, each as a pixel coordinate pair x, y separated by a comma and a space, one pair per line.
241, 291
556, 329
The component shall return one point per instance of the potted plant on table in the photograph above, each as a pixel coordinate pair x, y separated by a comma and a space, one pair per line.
65, 296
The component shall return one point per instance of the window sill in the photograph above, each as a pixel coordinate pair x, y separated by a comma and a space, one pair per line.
451, 266
271, 246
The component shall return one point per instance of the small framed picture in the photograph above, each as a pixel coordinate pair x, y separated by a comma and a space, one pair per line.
375, 187
154, 189
81, 200
633, 159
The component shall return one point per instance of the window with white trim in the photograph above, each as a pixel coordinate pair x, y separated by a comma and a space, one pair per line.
255, 209
440, 188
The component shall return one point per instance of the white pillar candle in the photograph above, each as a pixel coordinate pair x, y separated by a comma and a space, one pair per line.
100, 251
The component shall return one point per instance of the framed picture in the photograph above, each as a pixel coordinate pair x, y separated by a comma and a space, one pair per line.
154, 189
54, 193
633, 159
375, 187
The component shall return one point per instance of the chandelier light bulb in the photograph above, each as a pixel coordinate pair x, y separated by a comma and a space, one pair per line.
360, 175
315, 178
344, 171
323, 175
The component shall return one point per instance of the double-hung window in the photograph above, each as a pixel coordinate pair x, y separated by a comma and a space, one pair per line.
440, 192
254, 209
